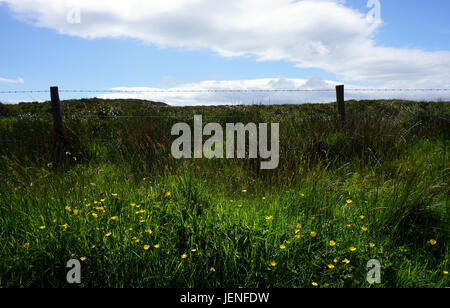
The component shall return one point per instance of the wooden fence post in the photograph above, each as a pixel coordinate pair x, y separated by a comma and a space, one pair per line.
57, 119
340, 100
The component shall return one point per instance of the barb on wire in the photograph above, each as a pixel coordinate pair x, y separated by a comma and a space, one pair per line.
24, 91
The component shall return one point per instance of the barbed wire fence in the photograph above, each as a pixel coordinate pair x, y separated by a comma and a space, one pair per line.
232, 90
308, 95
340, 101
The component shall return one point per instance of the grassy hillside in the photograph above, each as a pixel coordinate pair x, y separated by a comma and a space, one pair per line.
375, 187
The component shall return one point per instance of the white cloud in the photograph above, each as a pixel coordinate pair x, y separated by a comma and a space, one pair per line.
185, 95
17, 80
322, 34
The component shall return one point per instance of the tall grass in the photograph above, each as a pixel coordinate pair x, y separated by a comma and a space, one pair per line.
226, 223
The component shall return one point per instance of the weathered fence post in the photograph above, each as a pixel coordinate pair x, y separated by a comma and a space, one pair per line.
57, 119
340, 102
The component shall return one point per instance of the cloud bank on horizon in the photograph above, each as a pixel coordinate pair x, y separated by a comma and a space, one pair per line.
191, 97
179, 98
323, 34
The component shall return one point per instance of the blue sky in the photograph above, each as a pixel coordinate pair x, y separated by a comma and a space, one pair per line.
34, 53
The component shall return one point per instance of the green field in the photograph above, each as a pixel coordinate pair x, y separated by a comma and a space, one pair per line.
374, 187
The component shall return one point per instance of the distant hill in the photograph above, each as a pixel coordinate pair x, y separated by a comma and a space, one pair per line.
134, 107
91, 106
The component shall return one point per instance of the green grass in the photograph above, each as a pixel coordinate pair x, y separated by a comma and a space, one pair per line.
390, 158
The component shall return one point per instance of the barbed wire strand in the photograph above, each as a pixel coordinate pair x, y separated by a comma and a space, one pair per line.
230, 90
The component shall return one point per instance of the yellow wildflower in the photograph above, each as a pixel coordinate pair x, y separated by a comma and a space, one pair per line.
332, 243
330, 266
352, 249
433, 242
273, 264
212, 269
282, 246
364, 229
315, 284
42, 227
108, 234
94, 215
83, 259
114, 218
349, 201
146, 247
269, 217
313, 234
371, 245
26, 245
156, 246
183, 256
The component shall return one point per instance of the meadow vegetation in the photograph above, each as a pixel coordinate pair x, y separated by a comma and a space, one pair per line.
374, 187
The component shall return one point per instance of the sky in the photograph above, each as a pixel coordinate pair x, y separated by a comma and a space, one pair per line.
224, 44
